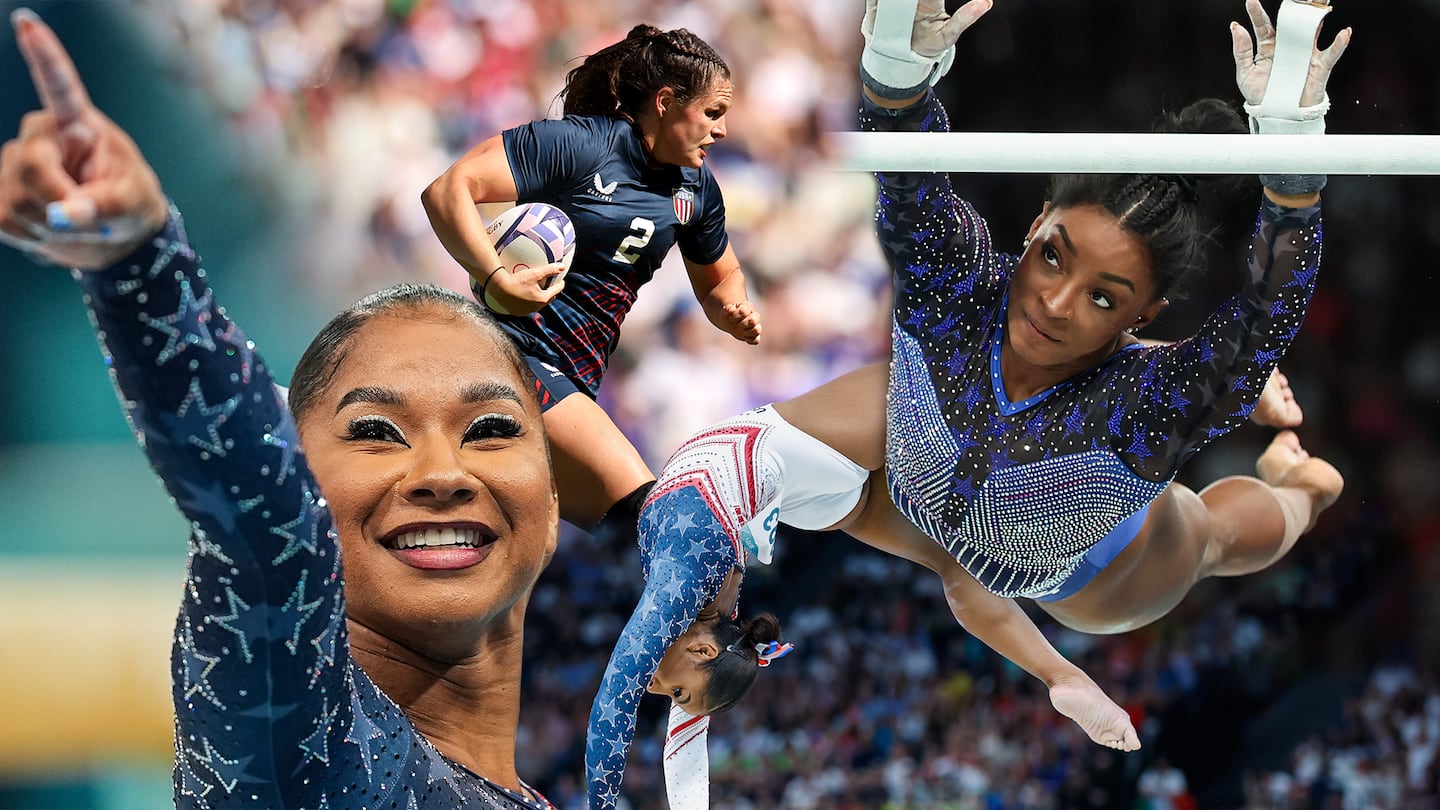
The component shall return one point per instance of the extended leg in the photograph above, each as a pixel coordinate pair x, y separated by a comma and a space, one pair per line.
1236, 526
998, 622
1255, 521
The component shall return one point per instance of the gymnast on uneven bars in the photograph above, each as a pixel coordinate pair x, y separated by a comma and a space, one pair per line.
1029, 440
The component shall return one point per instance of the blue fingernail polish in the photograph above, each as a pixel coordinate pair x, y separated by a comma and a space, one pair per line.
23, 15
57, 218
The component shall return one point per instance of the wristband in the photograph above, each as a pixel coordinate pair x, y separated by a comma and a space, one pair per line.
889, 67
1293, 183
484, 295
1299, 121
889, 92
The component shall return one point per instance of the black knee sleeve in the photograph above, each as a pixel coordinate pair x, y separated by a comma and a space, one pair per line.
620, 523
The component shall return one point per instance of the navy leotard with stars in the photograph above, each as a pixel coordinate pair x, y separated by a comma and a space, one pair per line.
627, 215
271, 711
1019, 491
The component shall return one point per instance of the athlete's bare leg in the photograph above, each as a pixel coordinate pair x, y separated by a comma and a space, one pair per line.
998, 622
847, 413
1236, 526
595, 465
1254, 522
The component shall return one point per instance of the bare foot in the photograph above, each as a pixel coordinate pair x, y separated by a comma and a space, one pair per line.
1091, 709
1277, 407
1286, 464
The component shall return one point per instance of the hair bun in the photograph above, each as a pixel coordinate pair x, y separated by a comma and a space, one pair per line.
761, 629
1206, 116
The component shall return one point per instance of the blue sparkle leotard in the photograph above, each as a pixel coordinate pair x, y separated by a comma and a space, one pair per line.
1019, 492
627, 215
271, 711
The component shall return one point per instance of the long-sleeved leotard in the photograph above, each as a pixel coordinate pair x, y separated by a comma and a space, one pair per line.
686, 553
717, 502
271, 711
1019, 491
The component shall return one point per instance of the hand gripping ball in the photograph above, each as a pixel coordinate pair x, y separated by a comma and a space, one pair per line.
528, 235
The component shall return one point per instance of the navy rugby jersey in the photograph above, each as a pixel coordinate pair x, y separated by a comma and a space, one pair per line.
271, 710
627, 216
1019, 491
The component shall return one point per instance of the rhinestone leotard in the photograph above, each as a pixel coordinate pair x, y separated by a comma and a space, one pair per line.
1018, 491
271, 711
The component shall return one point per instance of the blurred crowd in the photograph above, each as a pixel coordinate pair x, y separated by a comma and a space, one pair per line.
1383, 754
889, 704
348, 108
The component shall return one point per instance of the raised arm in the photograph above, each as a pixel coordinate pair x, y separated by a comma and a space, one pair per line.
938, 246
259, 645
1204, 386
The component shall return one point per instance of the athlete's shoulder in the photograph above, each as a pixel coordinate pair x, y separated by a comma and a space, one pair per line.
606, 128
598, 132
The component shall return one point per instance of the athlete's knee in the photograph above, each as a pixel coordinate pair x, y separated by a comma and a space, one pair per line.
621, 520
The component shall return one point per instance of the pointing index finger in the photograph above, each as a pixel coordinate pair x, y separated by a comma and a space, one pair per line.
56, 80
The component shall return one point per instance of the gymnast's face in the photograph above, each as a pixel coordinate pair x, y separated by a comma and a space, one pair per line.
686, 131
430, 452
679, 676
1081, 282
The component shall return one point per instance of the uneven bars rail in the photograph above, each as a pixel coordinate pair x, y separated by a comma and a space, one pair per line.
1126, 153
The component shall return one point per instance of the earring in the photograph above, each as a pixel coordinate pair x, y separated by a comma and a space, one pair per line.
1024, 246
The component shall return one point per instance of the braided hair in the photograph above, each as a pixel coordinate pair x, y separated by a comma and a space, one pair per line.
733, 671
1163, 210
621, 79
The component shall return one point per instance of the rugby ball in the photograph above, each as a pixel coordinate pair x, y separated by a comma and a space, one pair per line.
528, 235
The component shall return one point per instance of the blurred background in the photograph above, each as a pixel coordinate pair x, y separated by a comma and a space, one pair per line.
296, 136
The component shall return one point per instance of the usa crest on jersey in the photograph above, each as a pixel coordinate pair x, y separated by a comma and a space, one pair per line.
684, 200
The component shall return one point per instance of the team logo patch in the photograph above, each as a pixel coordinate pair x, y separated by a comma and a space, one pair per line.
684, 200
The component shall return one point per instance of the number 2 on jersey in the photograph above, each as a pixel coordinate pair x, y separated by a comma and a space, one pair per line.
641, 229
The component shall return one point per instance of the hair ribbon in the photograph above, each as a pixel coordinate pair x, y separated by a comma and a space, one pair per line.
769, 651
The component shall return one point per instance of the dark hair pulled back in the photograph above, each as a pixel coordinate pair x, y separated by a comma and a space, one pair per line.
621, 79
1167, 212
733, 671
322, 358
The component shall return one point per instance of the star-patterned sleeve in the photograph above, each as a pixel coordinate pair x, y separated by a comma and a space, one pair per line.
687, 555
259, 676
939, 247
1191, 392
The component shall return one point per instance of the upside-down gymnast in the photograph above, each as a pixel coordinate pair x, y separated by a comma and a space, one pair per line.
392, 680
627, 164
1029, 440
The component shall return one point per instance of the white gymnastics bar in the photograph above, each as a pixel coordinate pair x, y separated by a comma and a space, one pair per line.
1128, 153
